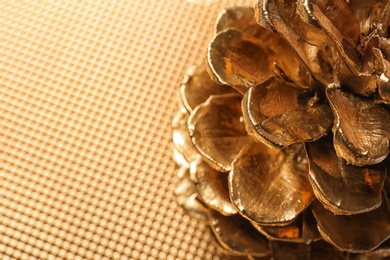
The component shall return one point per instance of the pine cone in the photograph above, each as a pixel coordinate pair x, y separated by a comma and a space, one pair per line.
283, 135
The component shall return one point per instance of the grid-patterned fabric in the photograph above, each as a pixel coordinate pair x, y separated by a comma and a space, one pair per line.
87, 93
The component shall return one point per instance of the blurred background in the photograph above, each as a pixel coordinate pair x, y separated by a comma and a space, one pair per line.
87, 93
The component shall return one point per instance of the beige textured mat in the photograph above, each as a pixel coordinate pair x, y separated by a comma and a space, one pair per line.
87, 93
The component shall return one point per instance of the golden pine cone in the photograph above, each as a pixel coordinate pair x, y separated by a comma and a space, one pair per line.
283, 135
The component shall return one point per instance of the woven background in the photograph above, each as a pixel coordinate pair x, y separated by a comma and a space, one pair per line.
87, 93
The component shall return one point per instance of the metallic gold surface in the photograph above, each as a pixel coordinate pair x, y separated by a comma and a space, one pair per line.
212, 187
361, 128
217, 130
270, 186
238, 59
302, 230
188, 198
237, 235
341, 187
198, 86
358, 234
274, 111
290, 233
317, 250
243, 54
181, 138
86, 100
238, 17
